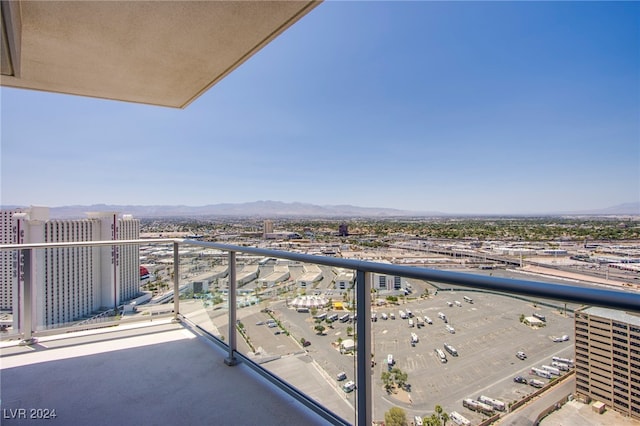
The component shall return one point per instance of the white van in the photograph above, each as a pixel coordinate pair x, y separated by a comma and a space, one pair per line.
349, 386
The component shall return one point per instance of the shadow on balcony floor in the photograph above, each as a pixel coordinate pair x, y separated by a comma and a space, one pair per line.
159, 374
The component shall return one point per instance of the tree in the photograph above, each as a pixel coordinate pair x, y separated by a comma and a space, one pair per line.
319, 329
387, 380
434, 420
445, 418
395, 417
439, 410
399, 377
349, 331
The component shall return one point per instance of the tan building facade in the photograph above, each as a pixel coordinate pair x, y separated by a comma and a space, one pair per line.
608, 358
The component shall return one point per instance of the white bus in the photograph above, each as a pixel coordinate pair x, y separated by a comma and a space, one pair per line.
561, 366
540, 317
344, 318
567, 361
468, 299
450, 349
478, 406
441, 355
553, 370
321, 316
497, 404
459, 419
540, 372
332, 317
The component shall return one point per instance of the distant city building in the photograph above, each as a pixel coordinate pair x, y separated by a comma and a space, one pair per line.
267, 228
387, 282
345, 279
607, 346
71, 283
7, 259
343, 230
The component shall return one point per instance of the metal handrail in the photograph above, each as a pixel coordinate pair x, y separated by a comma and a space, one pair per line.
603, 297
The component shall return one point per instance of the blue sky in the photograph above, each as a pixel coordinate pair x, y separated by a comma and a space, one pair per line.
456, 107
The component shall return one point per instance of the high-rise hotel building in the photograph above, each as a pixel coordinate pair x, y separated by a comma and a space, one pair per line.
608, 358
69, 283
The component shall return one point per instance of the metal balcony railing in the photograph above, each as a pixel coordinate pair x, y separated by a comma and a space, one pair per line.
614, 299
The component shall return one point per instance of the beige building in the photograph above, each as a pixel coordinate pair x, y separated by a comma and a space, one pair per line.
608, 358
75, 282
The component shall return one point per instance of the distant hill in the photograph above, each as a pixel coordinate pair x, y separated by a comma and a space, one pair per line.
620, 209
256, 209
274, 209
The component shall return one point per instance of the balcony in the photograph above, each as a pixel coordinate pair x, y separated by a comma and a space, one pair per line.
226, 351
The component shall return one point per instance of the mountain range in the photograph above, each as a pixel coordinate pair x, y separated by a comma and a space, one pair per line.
271, 209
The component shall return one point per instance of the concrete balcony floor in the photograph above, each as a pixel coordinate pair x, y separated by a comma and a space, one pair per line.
153, 373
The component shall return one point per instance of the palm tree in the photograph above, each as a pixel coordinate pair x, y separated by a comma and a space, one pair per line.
439, 410
445, 418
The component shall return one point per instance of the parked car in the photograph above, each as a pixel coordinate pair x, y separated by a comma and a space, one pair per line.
520, 379
306, 343
341, 376
521, 355
349, 386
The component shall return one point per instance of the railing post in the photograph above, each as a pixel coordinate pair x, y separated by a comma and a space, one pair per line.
27, 298
363, 352
176, 281
231, 359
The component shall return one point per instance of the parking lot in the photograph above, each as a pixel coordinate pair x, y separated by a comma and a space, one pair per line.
488, 333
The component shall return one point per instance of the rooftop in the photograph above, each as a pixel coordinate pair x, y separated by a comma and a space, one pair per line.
627, 317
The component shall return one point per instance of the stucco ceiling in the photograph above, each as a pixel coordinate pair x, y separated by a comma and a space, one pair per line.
153, 52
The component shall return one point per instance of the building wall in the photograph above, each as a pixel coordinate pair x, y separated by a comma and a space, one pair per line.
129, 229
386, 282
71, 283
8, 260
608, 358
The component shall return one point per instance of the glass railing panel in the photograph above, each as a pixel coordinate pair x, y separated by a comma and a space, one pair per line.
437, 345
297, 322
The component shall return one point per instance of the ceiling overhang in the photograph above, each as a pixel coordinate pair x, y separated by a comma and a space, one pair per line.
152, 52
